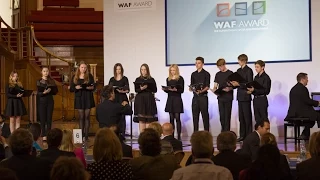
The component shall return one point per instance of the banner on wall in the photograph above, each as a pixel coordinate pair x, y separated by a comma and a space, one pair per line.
134, 5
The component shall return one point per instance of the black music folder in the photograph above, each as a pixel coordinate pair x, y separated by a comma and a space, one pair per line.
124, 88
84, 86
151, 86
27, 93
177, 86
236, 77
219, 91
255, 85
16, 91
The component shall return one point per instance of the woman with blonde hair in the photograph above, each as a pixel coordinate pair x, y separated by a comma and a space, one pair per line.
68, 145
145, 107
107, 154
83, 85
166, 147
174, 105
15, 107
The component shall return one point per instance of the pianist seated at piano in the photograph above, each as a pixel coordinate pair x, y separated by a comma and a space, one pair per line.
301, 105
109, 112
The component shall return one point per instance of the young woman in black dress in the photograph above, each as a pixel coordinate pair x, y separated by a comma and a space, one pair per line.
83, 85
15, 107
145, 108
121, 86
174, 104
46, 89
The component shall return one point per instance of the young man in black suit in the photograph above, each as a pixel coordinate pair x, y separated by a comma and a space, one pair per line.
301, 105
260, 100
168, 131
243, 97
5, 129
251, 143
200, 78
225, 98
54, 138
226, 144
22, 162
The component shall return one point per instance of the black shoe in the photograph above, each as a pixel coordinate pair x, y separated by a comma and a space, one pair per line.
240, 139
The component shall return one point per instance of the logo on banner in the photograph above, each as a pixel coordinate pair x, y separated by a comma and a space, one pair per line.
134, 5
241, 9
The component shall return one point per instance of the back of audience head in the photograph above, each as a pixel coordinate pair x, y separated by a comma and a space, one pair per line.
167, 129
21, 142
35, 129
67, 143
107, 146
269, 154
314, 144
66, 168
54, 138
226, 141
262, 127
149, 142
268, 138
202, 144
157, 127
7, 174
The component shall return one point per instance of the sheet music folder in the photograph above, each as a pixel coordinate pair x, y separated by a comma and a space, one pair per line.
255, 85
177, 86
236, 77
151, 86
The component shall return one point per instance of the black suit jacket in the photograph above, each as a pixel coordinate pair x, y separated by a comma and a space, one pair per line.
28, 167
176, 144
109, 113
52, 154
301, 105
232, 161
309, 169
6, 130
251, 145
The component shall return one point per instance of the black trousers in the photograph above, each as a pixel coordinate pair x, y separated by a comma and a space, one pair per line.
122, 125
45, 110
200, 104
260, 107
245, 118
225, 108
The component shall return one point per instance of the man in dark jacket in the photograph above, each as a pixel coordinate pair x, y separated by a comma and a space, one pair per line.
301, 105
168, 131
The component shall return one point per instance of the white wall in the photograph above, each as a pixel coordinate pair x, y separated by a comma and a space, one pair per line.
6, 11
133, 38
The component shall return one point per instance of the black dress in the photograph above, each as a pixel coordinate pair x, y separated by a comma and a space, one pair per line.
123, 83
174, 101
15, 105
83, 98
145, 107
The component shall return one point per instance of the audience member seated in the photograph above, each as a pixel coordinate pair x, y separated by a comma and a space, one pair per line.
266, 167
151, 165
226, 144
251, 143
67, 168
308, 169
35, 129
67, 145
5, 151
168, 132
269, 138
126, 149
8, 174
4, 127
301, 105
107, 155
54, 138
25, 165
166, 147
203, 167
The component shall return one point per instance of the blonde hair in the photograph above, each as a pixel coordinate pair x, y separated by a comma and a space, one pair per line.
201, 144
77, 74
314, 144
14, 83
221, 62
268, 138
66, 142
157, 127
177, 71
107, 146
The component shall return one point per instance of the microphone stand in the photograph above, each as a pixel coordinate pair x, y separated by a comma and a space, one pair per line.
131, 97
